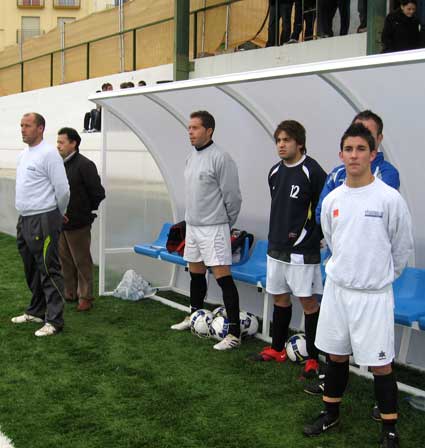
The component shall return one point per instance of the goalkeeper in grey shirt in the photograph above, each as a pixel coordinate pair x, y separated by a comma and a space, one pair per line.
213, 202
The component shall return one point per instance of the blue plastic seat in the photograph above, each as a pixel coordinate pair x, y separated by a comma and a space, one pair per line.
422, 322
409, 296
153, 249
172, 258
254, 270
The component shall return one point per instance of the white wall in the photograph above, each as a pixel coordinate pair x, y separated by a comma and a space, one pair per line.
62, 105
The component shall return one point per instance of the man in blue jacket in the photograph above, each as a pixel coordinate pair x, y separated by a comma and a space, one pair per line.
380, 167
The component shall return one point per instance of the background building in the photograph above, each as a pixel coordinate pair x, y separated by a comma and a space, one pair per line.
22, 19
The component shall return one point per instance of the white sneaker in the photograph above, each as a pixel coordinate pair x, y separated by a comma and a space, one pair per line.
47, 330
228, 343
26, 318
183, 325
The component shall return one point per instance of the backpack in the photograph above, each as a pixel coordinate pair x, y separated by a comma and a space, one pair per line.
176, 238
237, 240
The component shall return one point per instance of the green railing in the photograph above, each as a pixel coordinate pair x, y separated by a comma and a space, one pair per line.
133, 31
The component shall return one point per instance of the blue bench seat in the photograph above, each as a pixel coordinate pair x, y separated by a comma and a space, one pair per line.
409, 296
254, 270
153, 249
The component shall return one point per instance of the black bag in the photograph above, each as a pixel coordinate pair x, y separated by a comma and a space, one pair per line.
176, 238
237, 240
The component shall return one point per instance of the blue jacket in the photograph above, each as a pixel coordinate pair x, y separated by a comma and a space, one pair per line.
380, 168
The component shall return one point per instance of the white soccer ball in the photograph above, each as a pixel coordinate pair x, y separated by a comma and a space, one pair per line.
248, 323
220, 311
296, 348
200, 322
219, 328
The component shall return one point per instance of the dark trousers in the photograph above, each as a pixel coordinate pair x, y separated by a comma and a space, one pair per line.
37, 241
77, 263
308, 15
329, 11
362, 8
282, 9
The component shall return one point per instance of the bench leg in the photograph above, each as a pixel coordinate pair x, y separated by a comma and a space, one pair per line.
404, 344
266, 321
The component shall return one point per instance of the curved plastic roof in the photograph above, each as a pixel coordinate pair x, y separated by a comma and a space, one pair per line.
324, 97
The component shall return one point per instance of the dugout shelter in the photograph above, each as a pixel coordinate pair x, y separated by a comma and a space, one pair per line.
145, 144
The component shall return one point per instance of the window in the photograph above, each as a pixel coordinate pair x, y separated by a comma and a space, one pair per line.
73, 4
30, 3
30, 27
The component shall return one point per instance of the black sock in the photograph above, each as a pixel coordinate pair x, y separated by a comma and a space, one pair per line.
336, 381
386, 396
198, 291
281, 319
310, 334
332, 409
231, 302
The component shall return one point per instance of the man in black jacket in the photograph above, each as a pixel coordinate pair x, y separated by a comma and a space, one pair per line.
74, 243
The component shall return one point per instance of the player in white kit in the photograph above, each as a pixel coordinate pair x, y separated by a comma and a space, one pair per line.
367, 226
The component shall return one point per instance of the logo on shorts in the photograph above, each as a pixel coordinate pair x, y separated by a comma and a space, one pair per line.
382, 356
373, 214
335, 213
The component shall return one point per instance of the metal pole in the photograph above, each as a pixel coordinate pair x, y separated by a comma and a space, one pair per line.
134, 50
21, 59
51, 69
376, 12
62, 31
88, 61
121, 26
226, 41
204, 19
181, 39
195, 35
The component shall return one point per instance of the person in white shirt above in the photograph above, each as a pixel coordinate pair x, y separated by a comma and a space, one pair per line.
367, 226
42, 195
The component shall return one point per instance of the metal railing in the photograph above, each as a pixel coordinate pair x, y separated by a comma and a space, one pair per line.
30, 3
197, 16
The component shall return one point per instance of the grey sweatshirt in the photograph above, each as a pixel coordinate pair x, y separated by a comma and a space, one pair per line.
212, 187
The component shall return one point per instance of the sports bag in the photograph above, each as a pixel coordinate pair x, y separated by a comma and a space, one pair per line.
237, 240
176, 238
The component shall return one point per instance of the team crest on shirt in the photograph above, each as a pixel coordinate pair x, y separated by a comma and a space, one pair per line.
373, 213
382, 355
335, 213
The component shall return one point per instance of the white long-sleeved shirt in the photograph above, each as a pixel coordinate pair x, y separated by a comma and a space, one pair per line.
212, 187
369, 232
41, 182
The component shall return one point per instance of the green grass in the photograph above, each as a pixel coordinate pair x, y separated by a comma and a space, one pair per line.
118, 377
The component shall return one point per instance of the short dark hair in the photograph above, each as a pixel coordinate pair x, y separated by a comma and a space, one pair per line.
72, 134
39, 119
295, 130
206, 118
105, 86
406, 2
141, 83
369, 115
359, 130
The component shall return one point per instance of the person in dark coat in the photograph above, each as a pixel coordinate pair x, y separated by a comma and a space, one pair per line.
401, 29
74, 242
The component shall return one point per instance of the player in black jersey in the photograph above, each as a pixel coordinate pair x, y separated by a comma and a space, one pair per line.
293, 257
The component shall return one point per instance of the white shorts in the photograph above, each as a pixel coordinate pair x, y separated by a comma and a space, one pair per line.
358, 322
210, 244
302, 280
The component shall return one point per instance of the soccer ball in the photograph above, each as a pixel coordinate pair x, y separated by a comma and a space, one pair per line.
296, 348
219, 328
220, 311
200, 321
249, 324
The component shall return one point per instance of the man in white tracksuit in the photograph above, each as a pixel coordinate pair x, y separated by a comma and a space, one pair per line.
213, 202
367, 226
